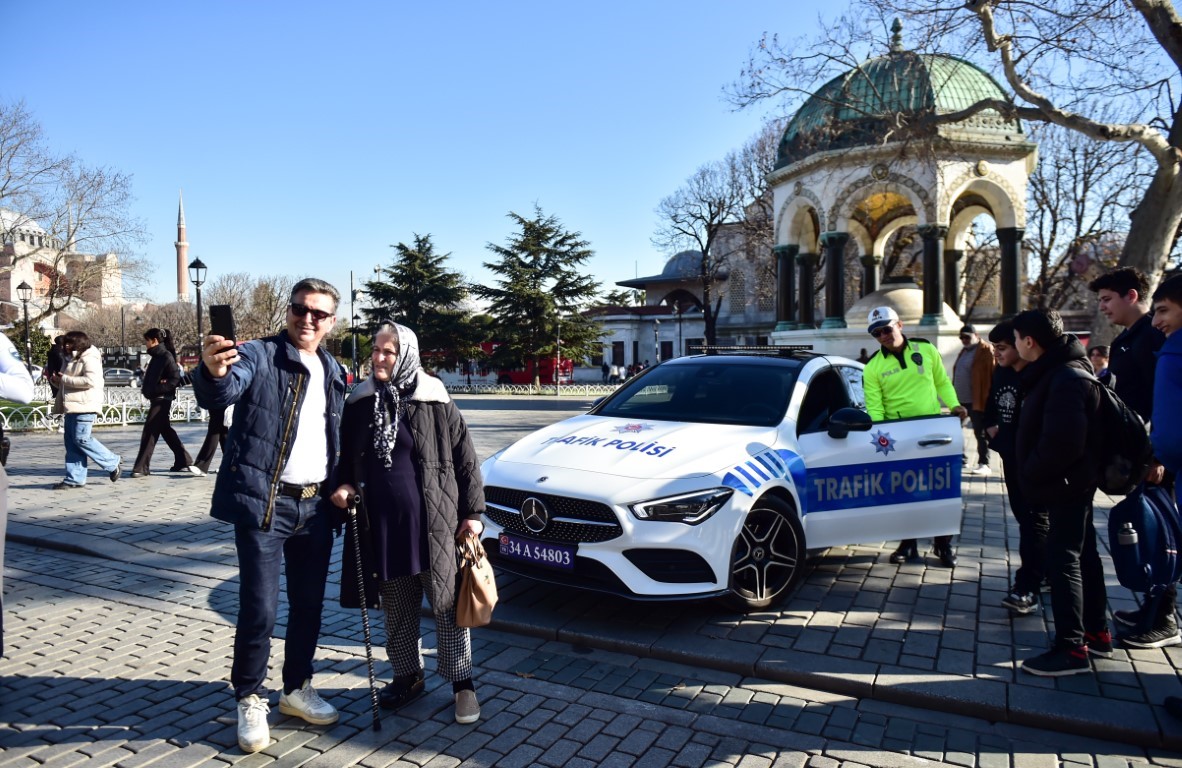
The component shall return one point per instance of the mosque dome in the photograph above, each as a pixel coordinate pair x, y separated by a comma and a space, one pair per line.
859, 108
683, 264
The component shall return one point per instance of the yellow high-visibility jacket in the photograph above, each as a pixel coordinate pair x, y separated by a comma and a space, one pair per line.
911, 382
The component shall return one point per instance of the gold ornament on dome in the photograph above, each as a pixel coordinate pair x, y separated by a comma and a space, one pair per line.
879, 172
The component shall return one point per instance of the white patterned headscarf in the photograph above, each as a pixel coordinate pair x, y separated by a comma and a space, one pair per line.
389, 402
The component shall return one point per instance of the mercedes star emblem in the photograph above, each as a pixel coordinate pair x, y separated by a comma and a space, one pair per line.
535, 515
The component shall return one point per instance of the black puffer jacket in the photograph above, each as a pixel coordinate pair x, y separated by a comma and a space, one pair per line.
162, 376
450, 475
1059, 431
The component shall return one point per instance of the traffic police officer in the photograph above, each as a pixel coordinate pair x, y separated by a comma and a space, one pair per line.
904, 378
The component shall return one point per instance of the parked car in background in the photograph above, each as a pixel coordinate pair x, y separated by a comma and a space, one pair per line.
119, 377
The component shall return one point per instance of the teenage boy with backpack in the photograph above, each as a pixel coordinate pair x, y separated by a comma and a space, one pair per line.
1123, 295
1001, 424
1058, 449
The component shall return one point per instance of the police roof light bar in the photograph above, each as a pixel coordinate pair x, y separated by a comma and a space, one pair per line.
767, 350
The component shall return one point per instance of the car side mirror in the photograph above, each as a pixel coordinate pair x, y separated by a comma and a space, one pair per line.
848, 420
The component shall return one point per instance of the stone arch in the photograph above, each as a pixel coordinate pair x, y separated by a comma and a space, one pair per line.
884, 235
794, 225
958, 228
1008, 208
680, 297
842, 208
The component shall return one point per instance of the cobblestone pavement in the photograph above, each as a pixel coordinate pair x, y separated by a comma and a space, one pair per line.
120, 602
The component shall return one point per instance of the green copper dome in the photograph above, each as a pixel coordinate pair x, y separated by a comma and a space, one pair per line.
859, 107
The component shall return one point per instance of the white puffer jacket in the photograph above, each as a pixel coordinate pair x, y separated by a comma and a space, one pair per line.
82, 383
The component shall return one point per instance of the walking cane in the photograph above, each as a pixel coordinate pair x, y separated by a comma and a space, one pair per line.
373, 691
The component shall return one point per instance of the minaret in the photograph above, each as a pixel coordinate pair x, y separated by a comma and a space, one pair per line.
182, 253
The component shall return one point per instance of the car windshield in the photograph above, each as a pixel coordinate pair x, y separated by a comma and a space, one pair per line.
710, 390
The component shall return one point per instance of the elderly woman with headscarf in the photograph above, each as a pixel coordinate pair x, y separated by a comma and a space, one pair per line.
406, 451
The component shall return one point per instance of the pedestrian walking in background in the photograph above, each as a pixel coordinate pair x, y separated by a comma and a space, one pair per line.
406, 449
972, 375
1058, 448
55, 362
215, 437
283, 446
16, 385
906, 378
1098, 357
1123, 295
161, 380
1001, 425
81, 398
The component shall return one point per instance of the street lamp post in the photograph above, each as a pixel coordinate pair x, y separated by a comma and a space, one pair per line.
123, 335
197, 278
557, 353
24, 292
657, 339
356, 357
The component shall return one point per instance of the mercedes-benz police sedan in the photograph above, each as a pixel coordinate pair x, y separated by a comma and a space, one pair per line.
710, 476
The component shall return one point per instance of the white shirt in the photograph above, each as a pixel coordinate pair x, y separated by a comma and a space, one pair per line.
308, 462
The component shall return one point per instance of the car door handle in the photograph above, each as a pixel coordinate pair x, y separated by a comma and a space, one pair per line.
927, 442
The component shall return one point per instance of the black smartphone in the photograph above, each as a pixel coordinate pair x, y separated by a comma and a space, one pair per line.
221, 321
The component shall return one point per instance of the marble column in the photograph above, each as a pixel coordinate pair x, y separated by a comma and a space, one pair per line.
834, 245
1009, 241
870, 265
808, 268
933, 273
786, 286
952, 260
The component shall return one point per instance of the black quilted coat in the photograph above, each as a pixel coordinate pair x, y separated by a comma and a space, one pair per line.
451, 483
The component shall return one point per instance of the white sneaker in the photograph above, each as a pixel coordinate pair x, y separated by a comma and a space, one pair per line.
306, 703
194, 469
980, 469
253, 731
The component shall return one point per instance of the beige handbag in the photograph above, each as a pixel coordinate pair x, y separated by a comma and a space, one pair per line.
478, 587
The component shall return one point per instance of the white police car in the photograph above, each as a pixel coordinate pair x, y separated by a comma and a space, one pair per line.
710, 476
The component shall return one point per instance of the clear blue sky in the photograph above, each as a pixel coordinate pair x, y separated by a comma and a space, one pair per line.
309, 137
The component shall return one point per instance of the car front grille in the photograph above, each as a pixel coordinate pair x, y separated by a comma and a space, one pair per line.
571, 520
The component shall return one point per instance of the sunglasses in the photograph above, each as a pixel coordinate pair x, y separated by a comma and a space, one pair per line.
886, 330
303, 310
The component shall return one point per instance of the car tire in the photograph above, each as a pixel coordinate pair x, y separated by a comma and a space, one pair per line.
768, 556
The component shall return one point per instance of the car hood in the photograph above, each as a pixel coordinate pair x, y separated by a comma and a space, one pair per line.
639, 449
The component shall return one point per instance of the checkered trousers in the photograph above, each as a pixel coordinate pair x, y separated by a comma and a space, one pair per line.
401, 601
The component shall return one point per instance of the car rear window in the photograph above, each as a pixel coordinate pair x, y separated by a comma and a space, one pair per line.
707, 391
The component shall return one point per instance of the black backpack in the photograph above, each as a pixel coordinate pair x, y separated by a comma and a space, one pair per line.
1126, 451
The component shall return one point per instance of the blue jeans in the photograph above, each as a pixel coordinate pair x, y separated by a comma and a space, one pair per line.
80, 445
300, 539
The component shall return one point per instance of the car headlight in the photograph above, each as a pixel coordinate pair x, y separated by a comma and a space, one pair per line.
688, 508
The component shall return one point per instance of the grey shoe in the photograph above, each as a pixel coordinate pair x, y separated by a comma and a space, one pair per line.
467, 707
